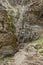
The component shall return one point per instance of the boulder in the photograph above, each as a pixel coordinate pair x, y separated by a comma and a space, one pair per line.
27, 56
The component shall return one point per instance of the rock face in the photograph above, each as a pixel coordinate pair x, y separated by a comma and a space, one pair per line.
27, 19
29, 33
27, 56
8, 43
21, 2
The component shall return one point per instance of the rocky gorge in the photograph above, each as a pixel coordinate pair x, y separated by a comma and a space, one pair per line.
21, 32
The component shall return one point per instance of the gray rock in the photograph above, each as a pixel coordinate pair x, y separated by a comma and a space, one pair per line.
27, 56
29, 33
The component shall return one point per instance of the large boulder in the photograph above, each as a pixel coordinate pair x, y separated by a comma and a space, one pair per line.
26, 56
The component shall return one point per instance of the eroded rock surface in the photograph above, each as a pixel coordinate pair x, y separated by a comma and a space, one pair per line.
8, 43
26, 56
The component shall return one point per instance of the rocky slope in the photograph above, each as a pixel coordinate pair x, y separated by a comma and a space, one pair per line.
27, 56
24, 19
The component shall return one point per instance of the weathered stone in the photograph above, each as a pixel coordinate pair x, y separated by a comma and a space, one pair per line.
26, 56
8, 43
7, 40
29, 33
